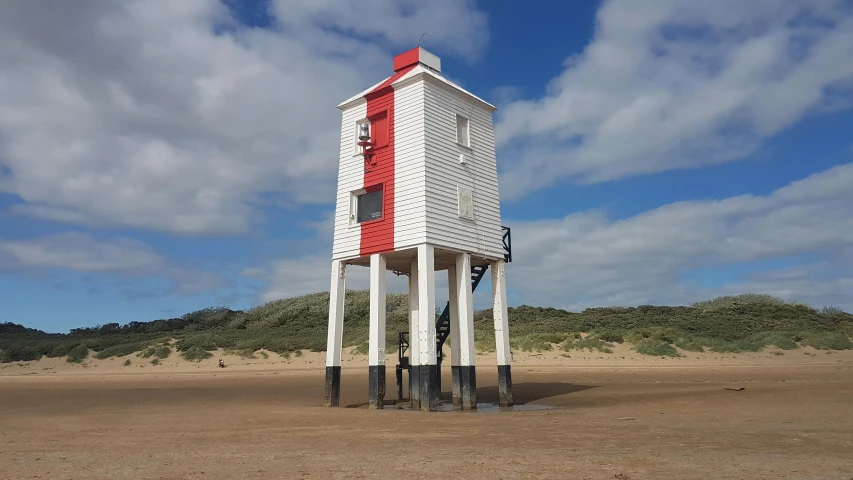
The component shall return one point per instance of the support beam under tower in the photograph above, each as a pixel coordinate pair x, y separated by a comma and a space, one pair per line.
501, 315
414, 344
453, 310
376, 353
464, 329
336, 328
426, 329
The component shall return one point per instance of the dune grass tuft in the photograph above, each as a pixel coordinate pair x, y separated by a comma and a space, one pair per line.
590, 343
653, 346
196, 354
78, 354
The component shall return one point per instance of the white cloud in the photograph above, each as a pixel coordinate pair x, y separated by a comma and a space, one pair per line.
455, 26
587, 259
669, 85
291, 277
139, 114
123, 258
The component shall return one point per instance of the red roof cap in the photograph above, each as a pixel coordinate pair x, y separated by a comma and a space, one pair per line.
415, 56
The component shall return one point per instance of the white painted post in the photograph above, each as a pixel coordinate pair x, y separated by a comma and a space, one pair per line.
335, 336
453, 302
376, 352
501, 316
465, 327
414, 345
426, 328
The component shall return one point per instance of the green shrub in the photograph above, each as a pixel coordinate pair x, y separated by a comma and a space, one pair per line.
729, 301
731, 346
610, 336
155, 361
19, 353
159, 351
126, 363
828, 341
245, 352
78, 354
61, 349
196, 354
689, 345
783, 340
589, 343
536, 342
362, 348
652, 346
119, 350
297, 353
206, 340
635, 336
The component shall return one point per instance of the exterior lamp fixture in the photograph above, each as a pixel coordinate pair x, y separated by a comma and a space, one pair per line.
366, 145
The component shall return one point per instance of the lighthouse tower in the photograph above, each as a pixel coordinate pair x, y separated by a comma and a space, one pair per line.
418, 194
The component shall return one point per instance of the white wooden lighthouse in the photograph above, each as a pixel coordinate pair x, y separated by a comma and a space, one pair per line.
417, 194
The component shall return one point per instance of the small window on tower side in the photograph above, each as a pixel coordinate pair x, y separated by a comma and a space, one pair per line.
368, 206
463, 136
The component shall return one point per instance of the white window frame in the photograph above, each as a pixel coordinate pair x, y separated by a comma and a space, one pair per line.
353, 206
467, 142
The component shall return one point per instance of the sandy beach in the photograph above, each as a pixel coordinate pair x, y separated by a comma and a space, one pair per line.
619, 415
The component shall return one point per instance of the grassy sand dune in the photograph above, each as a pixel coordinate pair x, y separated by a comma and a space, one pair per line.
287, 329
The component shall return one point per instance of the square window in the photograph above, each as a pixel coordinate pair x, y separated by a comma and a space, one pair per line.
465, 202
368, 206
463, 136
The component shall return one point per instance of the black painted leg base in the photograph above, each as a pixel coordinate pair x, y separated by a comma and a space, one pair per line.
415, 386
429, 387
398, 371
333, 387
376, 382
468, 387
456, 393
505, 385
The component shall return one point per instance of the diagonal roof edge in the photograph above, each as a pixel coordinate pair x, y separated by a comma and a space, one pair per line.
405, 75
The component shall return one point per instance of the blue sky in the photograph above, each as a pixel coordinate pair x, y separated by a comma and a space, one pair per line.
161, 157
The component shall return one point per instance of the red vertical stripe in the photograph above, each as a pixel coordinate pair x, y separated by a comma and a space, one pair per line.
377, 236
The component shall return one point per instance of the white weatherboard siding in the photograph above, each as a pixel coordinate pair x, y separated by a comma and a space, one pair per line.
482, 236
409, 150
347, 242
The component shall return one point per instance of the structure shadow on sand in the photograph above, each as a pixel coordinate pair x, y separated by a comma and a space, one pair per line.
526, 392
523, 393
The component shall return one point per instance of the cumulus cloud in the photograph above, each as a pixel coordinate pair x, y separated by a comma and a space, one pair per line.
172, 116
670, 85
290, 277
587, 259
126, 259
